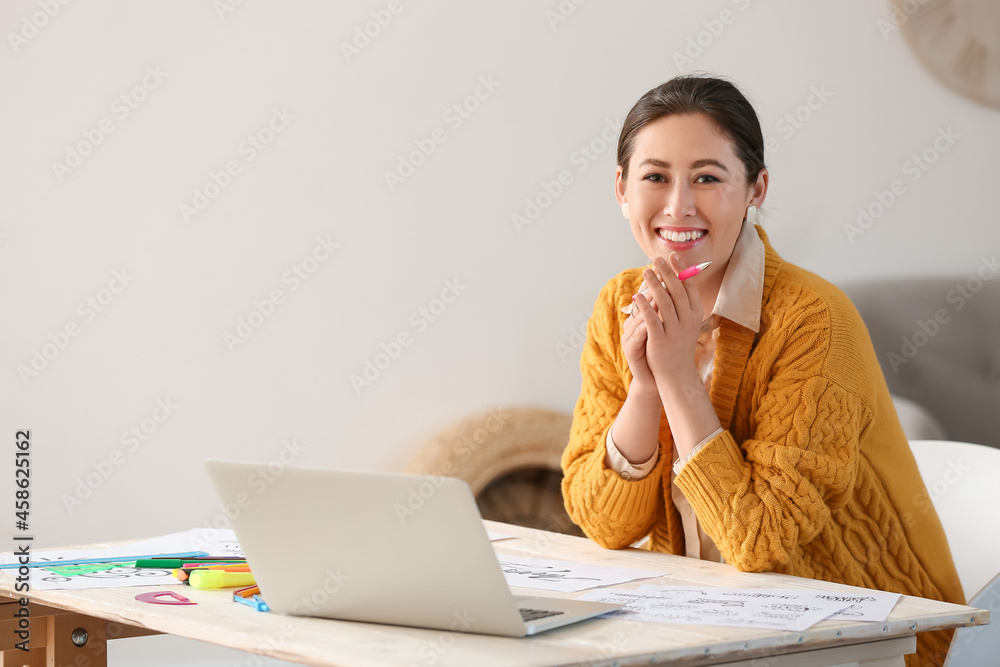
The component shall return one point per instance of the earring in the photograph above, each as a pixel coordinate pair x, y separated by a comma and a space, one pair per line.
751, 214
625, 209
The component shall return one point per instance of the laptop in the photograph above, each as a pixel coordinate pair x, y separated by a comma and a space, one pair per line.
380, 548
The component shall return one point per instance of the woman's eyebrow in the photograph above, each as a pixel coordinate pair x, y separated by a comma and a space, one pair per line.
694, 165
708, 161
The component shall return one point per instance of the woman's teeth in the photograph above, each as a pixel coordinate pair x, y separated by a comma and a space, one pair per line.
681, 237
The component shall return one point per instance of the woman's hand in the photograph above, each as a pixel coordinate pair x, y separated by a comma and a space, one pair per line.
659, 343
669, 325
634, 347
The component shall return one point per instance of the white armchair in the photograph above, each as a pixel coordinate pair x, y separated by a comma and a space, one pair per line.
963, 481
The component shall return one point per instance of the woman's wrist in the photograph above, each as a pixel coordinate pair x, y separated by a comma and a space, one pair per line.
638, 422
644, 391
681, 389
689, 410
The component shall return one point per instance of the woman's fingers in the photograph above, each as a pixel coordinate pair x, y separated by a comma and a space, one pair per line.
639, 333
657, 296
632, 322
690, 286
674, 286
649, 317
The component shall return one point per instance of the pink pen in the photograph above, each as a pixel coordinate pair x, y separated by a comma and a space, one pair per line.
689, 272
692, 271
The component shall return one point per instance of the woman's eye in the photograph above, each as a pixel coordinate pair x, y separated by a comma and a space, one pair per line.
656, 178
707, 178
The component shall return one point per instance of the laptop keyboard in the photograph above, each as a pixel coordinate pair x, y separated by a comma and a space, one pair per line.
528, 615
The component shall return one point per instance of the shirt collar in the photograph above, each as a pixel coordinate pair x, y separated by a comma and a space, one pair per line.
742, 289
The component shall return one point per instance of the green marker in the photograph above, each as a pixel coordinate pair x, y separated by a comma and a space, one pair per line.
174, 563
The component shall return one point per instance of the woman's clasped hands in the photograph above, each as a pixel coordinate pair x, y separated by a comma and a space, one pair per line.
660, 337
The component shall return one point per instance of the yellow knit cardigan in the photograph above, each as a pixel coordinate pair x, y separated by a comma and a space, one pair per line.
811, 476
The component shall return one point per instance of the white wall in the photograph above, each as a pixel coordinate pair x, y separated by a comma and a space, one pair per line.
524, 291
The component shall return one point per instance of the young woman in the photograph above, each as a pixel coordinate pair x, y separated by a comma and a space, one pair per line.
739, 415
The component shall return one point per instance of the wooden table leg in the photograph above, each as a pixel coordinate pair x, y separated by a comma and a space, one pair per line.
55, 638
76, 640
18, 658
51, 637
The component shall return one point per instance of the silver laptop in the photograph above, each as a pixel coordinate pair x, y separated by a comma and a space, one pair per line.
381, 548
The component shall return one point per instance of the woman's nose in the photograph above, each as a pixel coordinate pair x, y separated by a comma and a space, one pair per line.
680, 202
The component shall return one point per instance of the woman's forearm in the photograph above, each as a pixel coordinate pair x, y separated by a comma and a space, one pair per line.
636, 429
689, 411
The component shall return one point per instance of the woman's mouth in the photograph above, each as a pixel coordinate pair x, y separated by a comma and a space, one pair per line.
681, 238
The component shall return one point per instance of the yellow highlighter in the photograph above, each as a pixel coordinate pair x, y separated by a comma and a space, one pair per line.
220, 579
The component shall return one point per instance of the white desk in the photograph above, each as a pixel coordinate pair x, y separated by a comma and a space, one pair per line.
113, 613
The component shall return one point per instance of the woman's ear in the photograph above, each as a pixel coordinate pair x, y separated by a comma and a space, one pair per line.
620, 191
758, 191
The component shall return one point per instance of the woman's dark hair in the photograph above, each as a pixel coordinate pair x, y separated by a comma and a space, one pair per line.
717, 98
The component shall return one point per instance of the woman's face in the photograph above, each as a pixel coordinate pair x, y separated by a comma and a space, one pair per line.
687, 192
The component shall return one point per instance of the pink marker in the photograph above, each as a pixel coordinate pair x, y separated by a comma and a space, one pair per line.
689, 272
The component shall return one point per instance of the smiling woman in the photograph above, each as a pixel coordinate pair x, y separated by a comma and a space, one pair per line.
739, 415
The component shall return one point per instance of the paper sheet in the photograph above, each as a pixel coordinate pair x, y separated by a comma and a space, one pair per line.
215, 542
874, 606
866, 606
716, 606
496, 537
563, 575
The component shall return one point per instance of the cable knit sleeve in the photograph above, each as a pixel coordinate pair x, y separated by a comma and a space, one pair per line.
761, 498
612, 511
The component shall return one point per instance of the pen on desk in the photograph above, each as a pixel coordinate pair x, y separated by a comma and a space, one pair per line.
88, 561
689, 272
251, 596
248, 591
203, 559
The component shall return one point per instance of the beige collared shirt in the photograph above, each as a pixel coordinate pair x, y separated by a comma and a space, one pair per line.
739, 301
